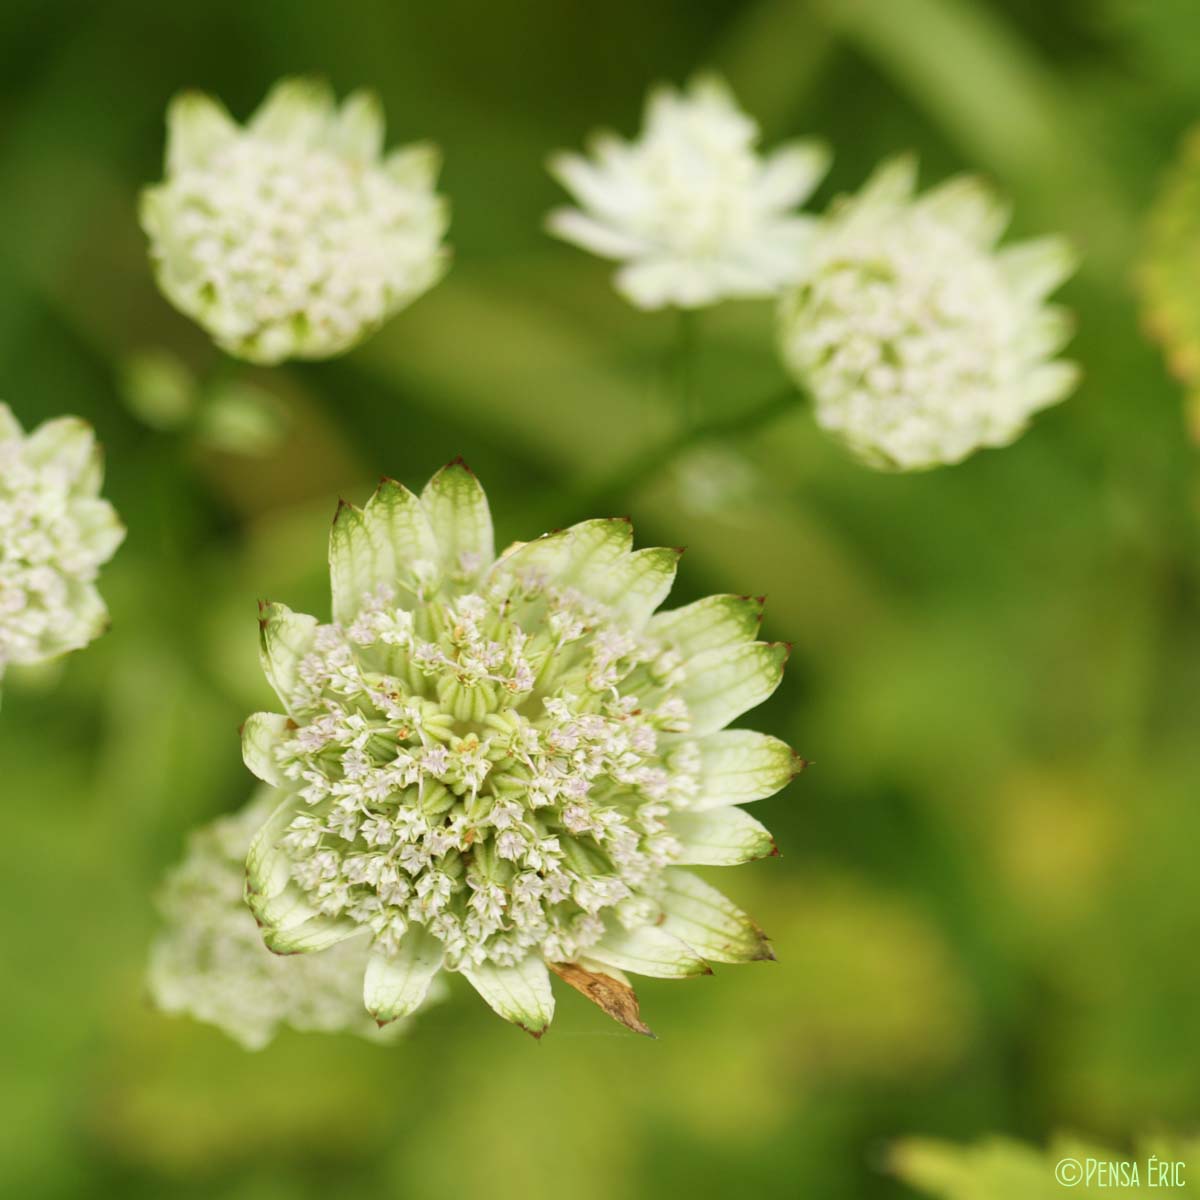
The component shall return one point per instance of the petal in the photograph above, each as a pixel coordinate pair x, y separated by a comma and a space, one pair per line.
567, 555
197, 127
649, 950
966, 203
709, 922
1050, 383
723, 684
720, 837
1034, 268
317, 933
520, 994
590, 234
601, 189
461, 521
68, 442
261, 734
358, 130
608, 990
1048, 332
738, 766
890, 184
285, 638
295, 110
99, 527
636, 585
654, 283
10, 427
415, 166
395, 985
714, 623
791, 173
388, 542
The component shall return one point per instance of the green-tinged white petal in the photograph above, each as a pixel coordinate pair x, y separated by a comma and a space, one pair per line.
1034, 268
285, 637
261, 735
299, 111
396, 984
649, 950
968, 204
461, 521
792, 171
197, 126
268, 868
520, 993
723, 684
714, 623
709, 922
636, 585
10, 427
85, 618
568, 556
317, 933
891, 183
100, 529
414, 166
720, 837
388, 543
1052, 382
358, 130
67, 442
738, 766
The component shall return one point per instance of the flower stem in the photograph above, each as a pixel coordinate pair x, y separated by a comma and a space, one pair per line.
686, 339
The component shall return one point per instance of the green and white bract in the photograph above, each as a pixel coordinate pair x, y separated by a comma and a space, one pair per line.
493, 765
55, 533
691, 207
918, 340
210, 962
292, 237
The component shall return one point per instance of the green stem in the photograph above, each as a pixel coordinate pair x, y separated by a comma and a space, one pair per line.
615, 486
684, 373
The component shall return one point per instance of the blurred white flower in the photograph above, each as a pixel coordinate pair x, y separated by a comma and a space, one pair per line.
696, 214
500, 766
292, 237
918, 340
55, 533
209, 961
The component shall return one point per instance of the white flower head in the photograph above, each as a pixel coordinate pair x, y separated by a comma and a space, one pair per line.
209, 961
918, 340
55, 533
496, 766
693, 210
293, 237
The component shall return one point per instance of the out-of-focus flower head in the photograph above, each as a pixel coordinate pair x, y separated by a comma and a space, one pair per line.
209, 961
918, 340
696, 214
55, 534
503, 766
293, 237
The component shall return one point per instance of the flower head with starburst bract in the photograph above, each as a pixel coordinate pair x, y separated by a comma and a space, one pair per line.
696, 214
498, 765
55, 534
918, 340
293, 237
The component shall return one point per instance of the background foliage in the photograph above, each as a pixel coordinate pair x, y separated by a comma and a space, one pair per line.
987, 904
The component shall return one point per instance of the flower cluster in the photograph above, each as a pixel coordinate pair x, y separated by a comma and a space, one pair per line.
917, 339
693, 210
55, 533
210, 962
492, 765
292, 237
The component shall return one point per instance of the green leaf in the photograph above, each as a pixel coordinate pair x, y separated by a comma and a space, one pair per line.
708, 922
720, 837
461, 521
285, 638
396, 984
714, 623
738, 766
649, 950
520, 993
723, 684
261, 733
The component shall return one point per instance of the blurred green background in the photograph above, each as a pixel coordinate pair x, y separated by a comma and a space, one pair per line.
987, 907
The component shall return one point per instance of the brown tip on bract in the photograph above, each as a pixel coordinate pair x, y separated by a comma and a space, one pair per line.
680, 550
610, 995
342, 505
458, 461
799, 764
774, 850
536, 1034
